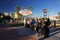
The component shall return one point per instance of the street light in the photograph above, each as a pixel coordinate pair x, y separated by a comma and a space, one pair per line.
45, 13
1, 16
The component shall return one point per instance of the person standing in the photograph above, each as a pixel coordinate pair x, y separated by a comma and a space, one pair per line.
42, 25
54, 23
28, 23
46, 28
33, 24
24, 22
38, 25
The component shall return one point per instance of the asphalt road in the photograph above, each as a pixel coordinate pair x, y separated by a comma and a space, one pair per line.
19, 33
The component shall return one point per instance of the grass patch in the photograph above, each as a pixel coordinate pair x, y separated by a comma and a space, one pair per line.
58, 20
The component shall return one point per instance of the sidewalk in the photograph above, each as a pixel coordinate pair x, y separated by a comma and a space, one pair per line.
55, 37
27, 34
18, 34
53, 31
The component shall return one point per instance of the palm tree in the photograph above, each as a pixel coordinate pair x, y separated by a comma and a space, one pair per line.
17, 10
59, 15
30, 8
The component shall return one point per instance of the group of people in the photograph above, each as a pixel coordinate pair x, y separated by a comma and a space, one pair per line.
39, 24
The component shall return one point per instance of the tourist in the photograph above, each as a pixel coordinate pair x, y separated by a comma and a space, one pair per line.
32, 24
28, 23
24, 22
46, 28
38, 25
42, 25
54, 23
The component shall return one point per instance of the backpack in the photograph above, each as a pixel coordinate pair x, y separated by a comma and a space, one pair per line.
33, 21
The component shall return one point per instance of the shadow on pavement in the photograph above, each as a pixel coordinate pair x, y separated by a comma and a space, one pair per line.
15, 34
8, 35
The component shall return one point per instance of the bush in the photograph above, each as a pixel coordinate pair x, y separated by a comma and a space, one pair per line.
58, 20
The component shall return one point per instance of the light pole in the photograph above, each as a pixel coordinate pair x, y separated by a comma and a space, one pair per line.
1, 16
45, 13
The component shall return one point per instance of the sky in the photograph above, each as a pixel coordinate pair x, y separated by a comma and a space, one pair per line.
53, 6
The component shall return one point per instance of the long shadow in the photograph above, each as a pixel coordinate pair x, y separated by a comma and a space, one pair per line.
15, 34
51, 34
54, 30
54, 33
10, 34
25, 32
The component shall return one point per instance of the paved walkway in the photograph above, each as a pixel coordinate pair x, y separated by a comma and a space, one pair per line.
20, 33
55, 37
53, 32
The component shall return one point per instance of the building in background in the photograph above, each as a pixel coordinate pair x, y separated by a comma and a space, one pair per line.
12, 14
4, 18
22, 14
16, 15
53, 18
6, 13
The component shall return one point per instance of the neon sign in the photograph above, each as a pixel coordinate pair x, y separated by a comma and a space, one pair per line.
25, 12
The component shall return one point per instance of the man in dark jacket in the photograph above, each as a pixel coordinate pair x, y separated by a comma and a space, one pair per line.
46, 28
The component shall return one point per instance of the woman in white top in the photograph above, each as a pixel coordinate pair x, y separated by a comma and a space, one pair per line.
24, 22
28, 23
